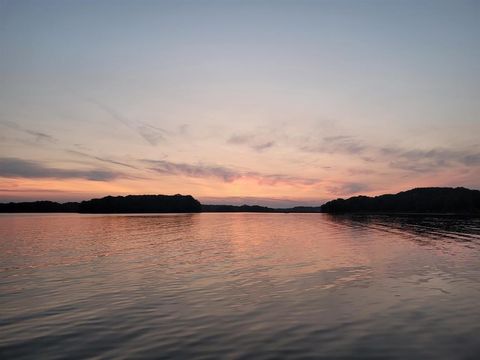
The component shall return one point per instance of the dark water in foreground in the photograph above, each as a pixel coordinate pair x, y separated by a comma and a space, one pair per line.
245, 286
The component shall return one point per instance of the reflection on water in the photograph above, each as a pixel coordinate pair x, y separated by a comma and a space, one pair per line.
239, 286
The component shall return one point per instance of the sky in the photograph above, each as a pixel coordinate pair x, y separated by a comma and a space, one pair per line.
276, 103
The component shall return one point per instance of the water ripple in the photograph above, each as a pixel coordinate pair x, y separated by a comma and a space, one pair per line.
263, 286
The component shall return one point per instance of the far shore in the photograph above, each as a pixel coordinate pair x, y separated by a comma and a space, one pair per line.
419, 201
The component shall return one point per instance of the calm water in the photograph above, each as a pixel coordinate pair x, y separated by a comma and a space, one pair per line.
243, 286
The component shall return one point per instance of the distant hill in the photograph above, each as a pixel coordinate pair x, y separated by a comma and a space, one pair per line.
38, 206
259, 209
141, 204
236, 208
303, 209
111, 204
419, 200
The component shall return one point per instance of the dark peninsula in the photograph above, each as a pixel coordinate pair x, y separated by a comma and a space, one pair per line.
111, 205
420, 200
38, 207
141, 204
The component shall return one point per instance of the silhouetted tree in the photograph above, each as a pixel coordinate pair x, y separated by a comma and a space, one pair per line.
141, 204
419, 200
38, 206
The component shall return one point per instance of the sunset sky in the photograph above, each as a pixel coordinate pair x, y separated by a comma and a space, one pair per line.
275, 103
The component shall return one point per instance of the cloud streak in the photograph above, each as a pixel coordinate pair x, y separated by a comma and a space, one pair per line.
252, 141
428, 160
102, 159
396, 158
349, 188
39, 136
343, 144
197, 171
19, 168
151, 134
225, 174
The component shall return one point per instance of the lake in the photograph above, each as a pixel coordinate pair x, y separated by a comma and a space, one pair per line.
239, 286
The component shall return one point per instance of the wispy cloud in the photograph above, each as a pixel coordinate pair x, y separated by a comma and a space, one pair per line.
365, 160
38, 135
151, 134
240, 139
25, 190
252, 141
274, 179
102, 159
393, 157
415, 160
342, 144
349, 188
15, 167
224, 173
198, 171
263, 146
361, 171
